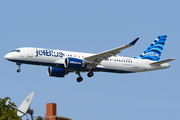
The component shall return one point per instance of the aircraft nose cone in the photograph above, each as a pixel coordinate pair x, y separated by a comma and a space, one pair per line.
8, 56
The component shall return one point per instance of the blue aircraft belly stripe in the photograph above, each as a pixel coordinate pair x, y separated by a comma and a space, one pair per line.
62, 66
111, 70
36, 63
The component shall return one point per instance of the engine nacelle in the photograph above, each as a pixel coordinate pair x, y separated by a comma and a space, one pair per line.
56, 72
73, 63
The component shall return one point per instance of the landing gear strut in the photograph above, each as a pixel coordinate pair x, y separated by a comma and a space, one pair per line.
79, 79
19, 64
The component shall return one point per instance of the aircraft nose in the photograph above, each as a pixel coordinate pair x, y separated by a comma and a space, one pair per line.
8, 56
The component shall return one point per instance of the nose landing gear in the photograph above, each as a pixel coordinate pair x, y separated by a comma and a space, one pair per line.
19, 64
18, 70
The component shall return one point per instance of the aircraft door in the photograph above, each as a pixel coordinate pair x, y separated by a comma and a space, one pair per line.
31, 52
135, 64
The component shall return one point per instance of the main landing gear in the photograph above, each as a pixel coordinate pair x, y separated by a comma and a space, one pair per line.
79, 79
19, 64
90, 74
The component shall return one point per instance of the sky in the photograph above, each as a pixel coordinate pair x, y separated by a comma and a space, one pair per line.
92, 26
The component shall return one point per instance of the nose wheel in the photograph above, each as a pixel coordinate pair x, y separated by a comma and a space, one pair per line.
19, 64
18, 70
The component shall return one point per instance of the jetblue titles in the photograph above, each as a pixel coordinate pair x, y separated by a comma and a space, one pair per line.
151, 54
74, 62
46, 52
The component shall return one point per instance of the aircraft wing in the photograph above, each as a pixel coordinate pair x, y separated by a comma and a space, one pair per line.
95, 60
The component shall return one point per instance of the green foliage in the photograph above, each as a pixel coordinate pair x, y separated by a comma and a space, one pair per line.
7, 113
39, 118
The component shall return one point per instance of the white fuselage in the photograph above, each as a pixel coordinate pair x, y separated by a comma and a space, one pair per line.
56, 58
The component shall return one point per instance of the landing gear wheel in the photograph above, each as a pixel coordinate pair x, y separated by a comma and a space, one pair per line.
18, 70
90, 74
19, 64
79, 79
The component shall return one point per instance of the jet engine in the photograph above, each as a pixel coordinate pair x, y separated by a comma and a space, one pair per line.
73, 63
56, 72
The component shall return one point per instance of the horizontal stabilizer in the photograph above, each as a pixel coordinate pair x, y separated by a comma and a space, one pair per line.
161, 62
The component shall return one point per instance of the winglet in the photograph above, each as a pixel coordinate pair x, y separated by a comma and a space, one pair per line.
133, 42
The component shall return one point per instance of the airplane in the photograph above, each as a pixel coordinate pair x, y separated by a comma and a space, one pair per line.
62, 62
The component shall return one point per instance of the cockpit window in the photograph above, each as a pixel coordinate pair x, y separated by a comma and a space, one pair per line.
15, 51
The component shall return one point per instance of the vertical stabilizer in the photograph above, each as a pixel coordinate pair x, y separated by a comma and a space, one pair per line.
153, 52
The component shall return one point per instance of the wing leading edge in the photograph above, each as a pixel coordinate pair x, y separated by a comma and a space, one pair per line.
95, 60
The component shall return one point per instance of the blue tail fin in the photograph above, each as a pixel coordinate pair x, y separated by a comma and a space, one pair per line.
153, 52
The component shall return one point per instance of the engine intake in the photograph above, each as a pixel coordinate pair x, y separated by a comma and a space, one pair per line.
56, 72
73, 63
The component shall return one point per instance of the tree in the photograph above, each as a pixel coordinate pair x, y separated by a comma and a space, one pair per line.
6, 112
39, 118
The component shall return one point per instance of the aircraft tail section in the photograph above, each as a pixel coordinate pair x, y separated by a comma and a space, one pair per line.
153, 52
